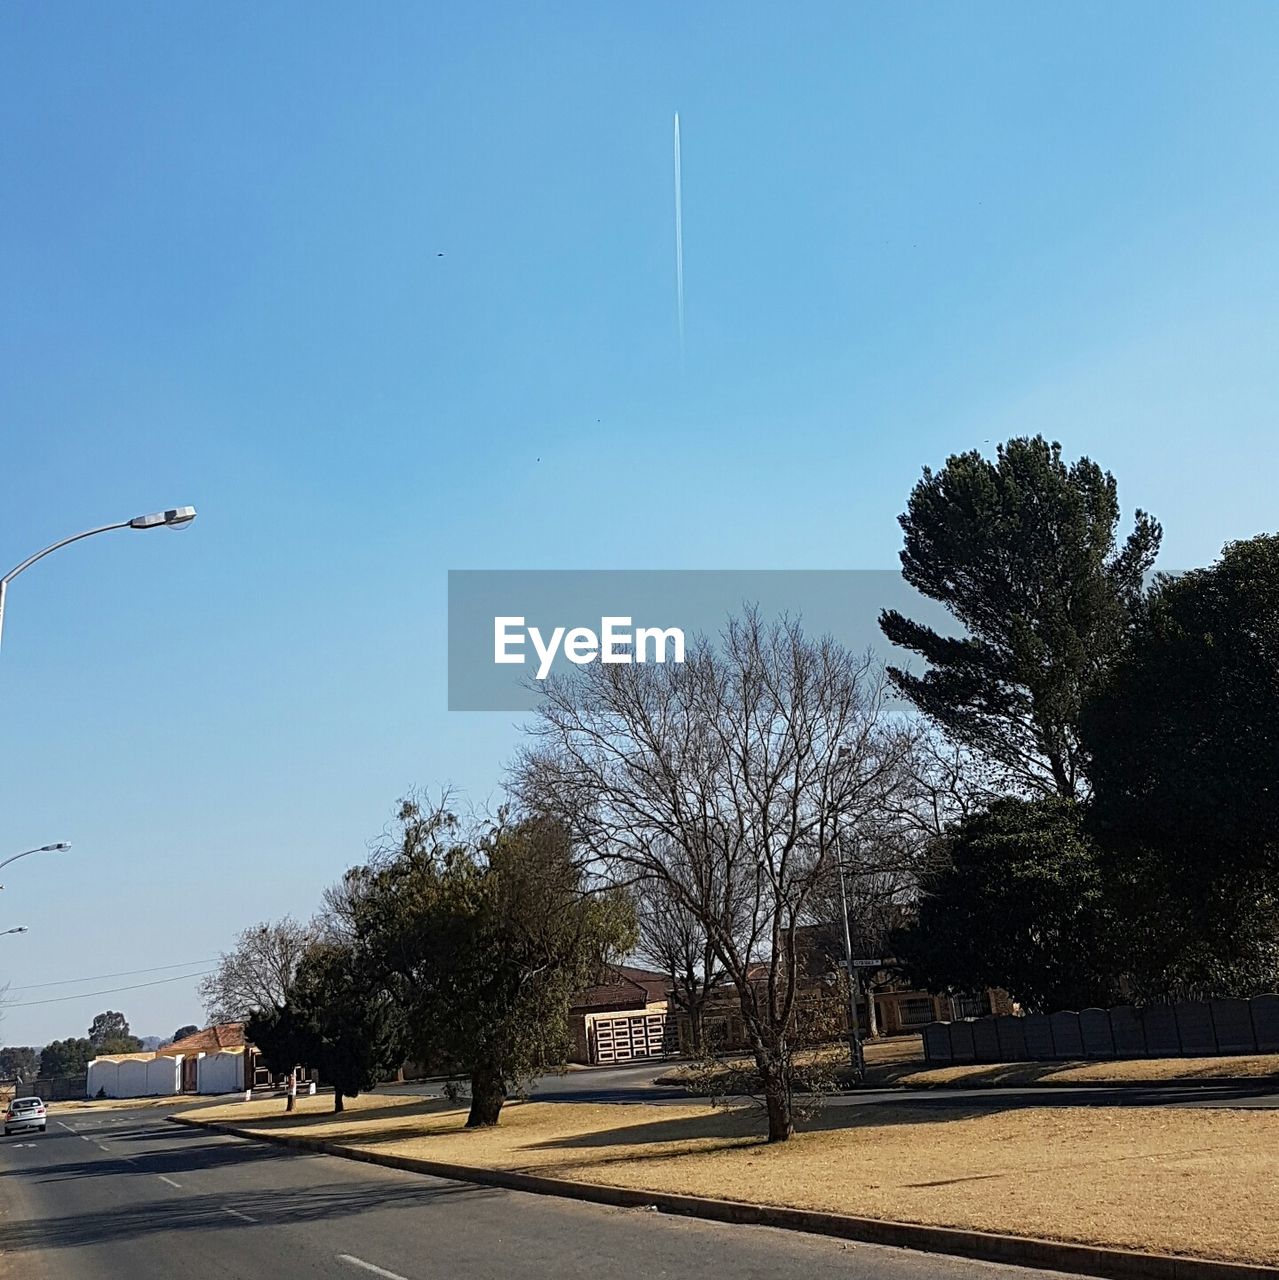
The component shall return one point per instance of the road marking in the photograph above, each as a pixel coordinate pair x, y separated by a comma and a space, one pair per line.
235, 1213
368, 1266
67, 1127
102, 1147
170, 1181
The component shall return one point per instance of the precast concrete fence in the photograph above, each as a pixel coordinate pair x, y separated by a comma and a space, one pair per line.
1190, 1029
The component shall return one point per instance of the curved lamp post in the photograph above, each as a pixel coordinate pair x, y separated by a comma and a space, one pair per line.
60, 847
174, 518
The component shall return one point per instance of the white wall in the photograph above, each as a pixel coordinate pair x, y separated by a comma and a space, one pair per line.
163, 1076
103, 1074
133, 1077
131, 1082
221, 1072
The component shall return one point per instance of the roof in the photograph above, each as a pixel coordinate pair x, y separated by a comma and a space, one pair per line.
226, 1035
623, 986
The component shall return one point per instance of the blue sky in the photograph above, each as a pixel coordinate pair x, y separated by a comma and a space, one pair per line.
908, 229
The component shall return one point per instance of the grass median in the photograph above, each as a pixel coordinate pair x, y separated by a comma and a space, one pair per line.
1167, 1180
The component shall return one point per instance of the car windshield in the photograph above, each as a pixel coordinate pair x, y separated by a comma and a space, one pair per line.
27, 1102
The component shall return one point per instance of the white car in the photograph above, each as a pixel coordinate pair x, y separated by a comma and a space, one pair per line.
24, 1113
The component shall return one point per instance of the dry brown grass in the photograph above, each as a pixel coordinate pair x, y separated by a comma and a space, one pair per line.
123, 1104
1199, 1182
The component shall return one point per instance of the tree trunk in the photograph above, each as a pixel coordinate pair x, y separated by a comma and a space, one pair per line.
293, 1091
488, 1092
696, 1010
339, 1103
777, 1098
697, 1032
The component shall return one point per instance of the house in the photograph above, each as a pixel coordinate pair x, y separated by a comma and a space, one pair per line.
887, 1004
218, 1059
625, 1017
228, 1038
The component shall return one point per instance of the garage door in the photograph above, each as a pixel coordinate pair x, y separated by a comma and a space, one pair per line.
629, 1037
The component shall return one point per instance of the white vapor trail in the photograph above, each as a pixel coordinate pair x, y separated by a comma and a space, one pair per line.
679, 241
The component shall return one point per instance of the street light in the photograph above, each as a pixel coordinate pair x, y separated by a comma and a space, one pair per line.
174, 518
22, 928
60, 847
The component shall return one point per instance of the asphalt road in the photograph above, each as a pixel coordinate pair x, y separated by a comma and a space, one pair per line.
635, 1083
127, 1196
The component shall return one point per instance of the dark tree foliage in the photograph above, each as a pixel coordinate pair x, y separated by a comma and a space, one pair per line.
182, 1032
1016, 901
18, 1060
352, 1026
284, 1040
1022, 552
68, 1057
487, 937
110, 1027
1183, 738
118, 1044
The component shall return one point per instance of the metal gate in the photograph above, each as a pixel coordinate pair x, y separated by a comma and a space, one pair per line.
630, 1037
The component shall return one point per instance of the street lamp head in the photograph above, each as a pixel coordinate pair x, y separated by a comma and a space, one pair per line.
174, 518
60, 847
22, 928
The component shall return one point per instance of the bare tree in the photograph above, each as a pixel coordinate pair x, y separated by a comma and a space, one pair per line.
256, 974
727, 778
948, 782
674, 940
336, 920
881, 860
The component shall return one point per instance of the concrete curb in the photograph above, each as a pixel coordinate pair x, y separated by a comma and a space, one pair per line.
1024, 1251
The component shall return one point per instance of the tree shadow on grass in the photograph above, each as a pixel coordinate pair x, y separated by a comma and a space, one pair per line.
721, 1128
1013, 1074
353, 1117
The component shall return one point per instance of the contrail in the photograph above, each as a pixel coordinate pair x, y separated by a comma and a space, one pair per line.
679, 242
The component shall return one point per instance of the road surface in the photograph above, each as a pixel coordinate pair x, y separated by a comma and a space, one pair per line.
128, 1196
635, 1083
